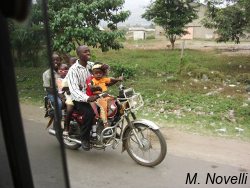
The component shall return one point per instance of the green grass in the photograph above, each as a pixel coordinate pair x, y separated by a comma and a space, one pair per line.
29, 83
196, 96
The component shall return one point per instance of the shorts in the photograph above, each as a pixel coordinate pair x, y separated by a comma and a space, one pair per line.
69, 100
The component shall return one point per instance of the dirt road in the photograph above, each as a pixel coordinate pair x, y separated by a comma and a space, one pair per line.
214, 149
228, 48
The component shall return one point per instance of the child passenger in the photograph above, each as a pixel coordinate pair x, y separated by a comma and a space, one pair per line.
68, 102
99, 84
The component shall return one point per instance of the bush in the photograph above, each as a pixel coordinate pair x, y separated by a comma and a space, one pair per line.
150, 37
118, 69
243, 78
198, 72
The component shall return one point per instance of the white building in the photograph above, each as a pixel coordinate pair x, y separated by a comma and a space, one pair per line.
139, 33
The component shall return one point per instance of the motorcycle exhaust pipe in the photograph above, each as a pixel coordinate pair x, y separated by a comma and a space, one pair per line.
73, 140
53, 132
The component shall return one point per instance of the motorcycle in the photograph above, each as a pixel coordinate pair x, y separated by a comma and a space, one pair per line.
142, 139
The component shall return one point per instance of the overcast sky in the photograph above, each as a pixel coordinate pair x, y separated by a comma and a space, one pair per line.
136, 3
137, 8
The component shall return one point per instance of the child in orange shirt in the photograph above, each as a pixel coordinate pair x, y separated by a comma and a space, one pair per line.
99, 84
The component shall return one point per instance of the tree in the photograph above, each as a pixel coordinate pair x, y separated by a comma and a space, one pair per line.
172, 16
230, 21
27, 40
72, 23
77, 22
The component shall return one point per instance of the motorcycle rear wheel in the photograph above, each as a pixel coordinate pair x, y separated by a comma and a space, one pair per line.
154, 144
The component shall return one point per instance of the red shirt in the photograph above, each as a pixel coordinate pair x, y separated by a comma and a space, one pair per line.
88, 82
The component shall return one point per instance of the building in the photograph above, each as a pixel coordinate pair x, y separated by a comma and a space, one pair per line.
196, 29
139, 33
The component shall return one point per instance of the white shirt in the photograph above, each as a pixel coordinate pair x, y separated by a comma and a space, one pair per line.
76, 77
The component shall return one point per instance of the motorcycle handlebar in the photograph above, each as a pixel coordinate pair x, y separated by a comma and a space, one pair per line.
102, 95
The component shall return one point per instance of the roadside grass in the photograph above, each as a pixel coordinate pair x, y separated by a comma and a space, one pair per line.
203, 94
29, 84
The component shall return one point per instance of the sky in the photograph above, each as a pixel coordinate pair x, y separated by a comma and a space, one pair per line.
137, 8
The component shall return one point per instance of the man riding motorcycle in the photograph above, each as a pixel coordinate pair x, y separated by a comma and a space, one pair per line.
76, 78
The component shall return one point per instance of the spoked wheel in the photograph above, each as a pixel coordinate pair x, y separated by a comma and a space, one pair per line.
153, 147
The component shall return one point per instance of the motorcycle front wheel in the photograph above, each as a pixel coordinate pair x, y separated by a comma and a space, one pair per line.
153, 147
